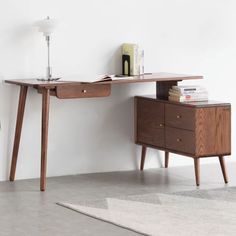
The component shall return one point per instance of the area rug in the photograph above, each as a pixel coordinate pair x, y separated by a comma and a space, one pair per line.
189, 213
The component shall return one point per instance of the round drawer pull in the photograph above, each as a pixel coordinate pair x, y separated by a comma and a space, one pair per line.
178, 139
178, 116
84, 91
161, 125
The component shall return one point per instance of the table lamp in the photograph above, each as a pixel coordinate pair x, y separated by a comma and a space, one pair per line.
47, 26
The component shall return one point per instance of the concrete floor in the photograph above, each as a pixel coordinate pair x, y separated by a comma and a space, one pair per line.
24, 210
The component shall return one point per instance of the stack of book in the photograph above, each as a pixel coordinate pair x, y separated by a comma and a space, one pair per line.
188, 93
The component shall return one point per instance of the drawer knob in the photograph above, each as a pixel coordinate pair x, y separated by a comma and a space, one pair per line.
161, 125
178, 116
178, 140
84, 91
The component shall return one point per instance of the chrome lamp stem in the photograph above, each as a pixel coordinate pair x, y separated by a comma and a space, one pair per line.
49, 69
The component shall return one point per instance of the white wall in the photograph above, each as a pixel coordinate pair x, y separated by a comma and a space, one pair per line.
95, 135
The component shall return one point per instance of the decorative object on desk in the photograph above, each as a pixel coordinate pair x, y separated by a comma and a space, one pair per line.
132, 59
126, 65
47, 26
188, 93
141, 61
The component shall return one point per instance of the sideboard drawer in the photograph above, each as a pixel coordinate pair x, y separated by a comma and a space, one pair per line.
150, 110
150, 122
154, 137
180, 140
180, 116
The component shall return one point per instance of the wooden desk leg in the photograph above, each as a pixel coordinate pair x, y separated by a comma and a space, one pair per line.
166, 159
197, 170
19, 122
222, 164
44, 137
143, 156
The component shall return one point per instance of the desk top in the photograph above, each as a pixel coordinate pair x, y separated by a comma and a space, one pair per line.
151, 77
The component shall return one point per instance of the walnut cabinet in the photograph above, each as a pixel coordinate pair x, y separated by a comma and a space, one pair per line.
195, 129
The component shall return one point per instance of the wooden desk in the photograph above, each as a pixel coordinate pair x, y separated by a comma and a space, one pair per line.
72, 90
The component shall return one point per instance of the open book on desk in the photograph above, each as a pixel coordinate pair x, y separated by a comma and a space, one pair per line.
95, 78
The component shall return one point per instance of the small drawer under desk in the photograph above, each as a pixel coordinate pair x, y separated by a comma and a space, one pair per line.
83, 91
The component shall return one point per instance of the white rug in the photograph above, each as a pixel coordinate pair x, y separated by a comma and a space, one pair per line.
191, 213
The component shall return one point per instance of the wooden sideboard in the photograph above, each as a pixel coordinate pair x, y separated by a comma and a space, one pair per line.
194, 129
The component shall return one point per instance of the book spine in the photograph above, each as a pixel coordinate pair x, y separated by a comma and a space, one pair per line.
189, 89
141, 62
180, 99
136, 61
188, 96
187, 92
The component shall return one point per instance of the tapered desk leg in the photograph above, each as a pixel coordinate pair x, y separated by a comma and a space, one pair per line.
19, 122
166, 159
143, 156
222, 164
197, 170
44, 137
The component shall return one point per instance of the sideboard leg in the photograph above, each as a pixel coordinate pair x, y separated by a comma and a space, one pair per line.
44, 137
166, 159
19, 122
223, 168
197, 170
143, 156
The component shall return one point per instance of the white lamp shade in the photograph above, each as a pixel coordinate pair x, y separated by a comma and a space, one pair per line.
46, 26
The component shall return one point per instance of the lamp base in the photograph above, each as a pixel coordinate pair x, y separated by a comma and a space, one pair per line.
48, 80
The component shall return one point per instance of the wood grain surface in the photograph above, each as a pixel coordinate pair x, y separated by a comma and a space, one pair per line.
213, 131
